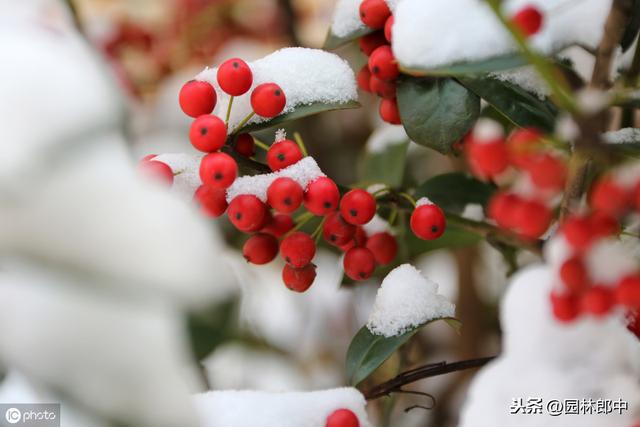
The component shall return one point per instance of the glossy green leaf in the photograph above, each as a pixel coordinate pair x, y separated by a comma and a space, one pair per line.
210, 327
368, 351
498, 63
333, 42
299, 113
386, 167
436, 113
518, 105
453, 191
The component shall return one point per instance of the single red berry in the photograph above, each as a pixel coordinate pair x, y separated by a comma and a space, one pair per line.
342, 418
359, 240
148, 157
428, 221
577, 231
235, 77
528, 20
609, 197
636, 197
359, 263
597, 300
531, 218
389, 111
633, 325
322, 196
383, 246
260, 249
245, 145
388, 28
364, 79
547, 172
374, 13
156, 171
282, 154
285, 195
358, 207
627, 292
208, 133
573, 274
501, 209
212, 201
197, 98
299, 279
279, 225
565, 307
218, 170
297, 249
268, 100
371, 42
523, 144
382, 88
487, 159
383, 64
603, 225
336, 230
247, 213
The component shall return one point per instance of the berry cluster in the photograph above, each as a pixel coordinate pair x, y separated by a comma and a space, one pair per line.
380, 74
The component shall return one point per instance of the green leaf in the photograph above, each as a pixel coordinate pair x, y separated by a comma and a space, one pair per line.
333, 42
453, 191
436, 113
210, 327
368, 351
386, 167
299, 113
518, 105
498, 63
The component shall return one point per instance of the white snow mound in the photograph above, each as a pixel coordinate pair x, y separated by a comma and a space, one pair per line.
386, 136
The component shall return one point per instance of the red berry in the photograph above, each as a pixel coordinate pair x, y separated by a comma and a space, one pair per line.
268, 100
597, 300
371, 42
247, 213
609, 197
547, 172
528, 20
574, 275
156, 171
428, 222
531, 218
148, 157
383, 246
359, 263
245, 145
297, 249
279, 225
577, 231
299, 279
383, 64
633, 326
501, 209
374, 13
342, 418
565, 307
384, 89
364, 79
282, 154
336, 230
212, 201
358, 207
487, 159
628, 292
603, 225
235, 77
523, 144
197, 98
285, 195
389, 111
218, 170
388, 27
260, 249
359, 240
208, 133
322, 196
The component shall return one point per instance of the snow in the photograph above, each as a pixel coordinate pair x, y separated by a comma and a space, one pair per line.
293, 409
186, 171
591, 101
386, 136
525, 77
473, 211
346, 18
441, 32
303, 172
487, 130
622, 136
423, 201
406, 299
608, 261
377, 225
327, 79
535, 352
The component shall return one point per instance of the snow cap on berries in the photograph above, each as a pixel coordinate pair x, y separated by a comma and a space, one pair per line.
487, 130
424, 201
281, 135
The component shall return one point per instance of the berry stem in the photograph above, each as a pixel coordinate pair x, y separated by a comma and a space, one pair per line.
261, 144
379, 193
318, 231
226, 121
393, 215
301, 221
300, 143
243, 122
408, 198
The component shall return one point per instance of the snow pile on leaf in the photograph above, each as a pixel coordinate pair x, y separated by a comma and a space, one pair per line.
326, 78
429, 34
346, 18
386, 136
545, 359
406, 299
260, 409
622, 136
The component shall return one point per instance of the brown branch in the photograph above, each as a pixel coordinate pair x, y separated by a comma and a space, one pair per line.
395, 384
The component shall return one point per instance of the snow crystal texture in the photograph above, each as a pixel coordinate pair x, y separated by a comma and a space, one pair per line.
346, 18
406, 299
